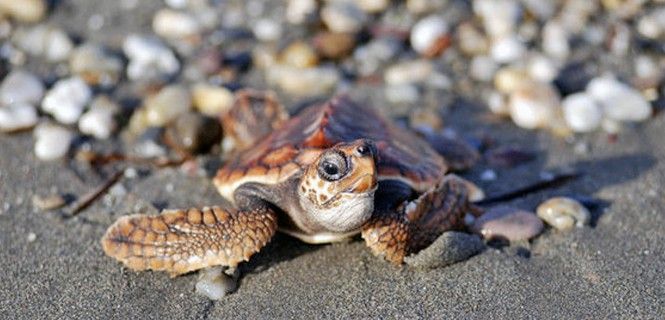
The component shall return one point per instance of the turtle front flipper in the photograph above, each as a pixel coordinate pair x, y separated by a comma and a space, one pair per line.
180, 241
415, 224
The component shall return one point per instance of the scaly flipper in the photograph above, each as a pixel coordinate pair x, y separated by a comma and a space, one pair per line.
180, 241
416, 224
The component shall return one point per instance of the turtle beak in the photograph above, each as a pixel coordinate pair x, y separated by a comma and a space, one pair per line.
364, 184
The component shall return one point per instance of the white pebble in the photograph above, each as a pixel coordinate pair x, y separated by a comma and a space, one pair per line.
581, 112
51, 141
45, 41
563, 213
67, 99
555, 40
408, 72
343, 16
174, 24
24, 10
212, 100
21, 87
499, 16
507, 49
98, 122
267, 30
509, 79
497, 103
32, 237
166, 105
298, 11
303, 81
534, 106
17, 116
214, 284
149, 58
97, 67
402, 94
619, 101
373, 6
177, 4
482, 68
426, 33
542, 68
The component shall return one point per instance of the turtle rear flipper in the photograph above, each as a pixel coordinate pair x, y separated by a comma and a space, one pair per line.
416, 224
180, 241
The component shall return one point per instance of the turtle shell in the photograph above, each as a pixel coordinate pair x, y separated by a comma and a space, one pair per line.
283, 153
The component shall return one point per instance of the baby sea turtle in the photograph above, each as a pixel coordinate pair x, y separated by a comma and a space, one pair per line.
336, 169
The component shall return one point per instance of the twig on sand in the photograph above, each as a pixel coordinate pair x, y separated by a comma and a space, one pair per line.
94, 194
551, 182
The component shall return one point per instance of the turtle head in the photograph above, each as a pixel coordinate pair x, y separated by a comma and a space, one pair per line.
337, 189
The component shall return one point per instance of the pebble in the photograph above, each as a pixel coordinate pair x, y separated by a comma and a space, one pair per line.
619, 101
44, 41
149, 58
402, 94
21, 86
299, 54
534, 106
94, 65
148, 144
507, 49
541, 68
373, 6
581, 112
499, 17
482, 68
449, 248
17, 116
300, 11
429, 36
370, 57
32, 237
99, 121
497, 103
50, 202
507, 223
471, 41
214, 284
211, 100
343, 16
408, 72
165, 106
334, 45
193, 133
509, 79
555, 40
563, 213
267, 30
52, 141
488, 175
29, 11
67, 99
175, 25
423, 6
303, 82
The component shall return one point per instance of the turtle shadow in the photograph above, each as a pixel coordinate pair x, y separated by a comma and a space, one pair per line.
282, 248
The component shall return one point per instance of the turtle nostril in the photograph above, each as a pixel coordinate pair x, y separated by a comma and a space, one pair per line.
365, 149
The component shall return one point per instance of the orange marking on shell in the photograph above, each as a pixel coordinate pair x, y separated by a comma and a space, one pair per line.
288, 170
308, 156
279, 156
256, 171
236, 175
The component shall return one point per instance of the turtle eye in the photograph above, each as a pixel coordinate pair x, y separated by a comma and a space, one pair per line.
332, 167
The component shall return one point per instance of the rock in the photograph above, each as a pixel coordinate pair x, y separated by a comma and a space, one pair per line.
149, 58
619, 101
165, 106
67, 99
175, 25
214, 284
482, 68
370, 57
193, 133
44, 41
471, 41
51, 141
507, 49
418, 7
408, 72
488, 175
94, 65
299, 11
17, 116
29, 11
451, 247
148, 144
581, 112
303, 82
267, 30
402, 94
542, 68
373, 6
507, 223
534, 106
299, 54
555, 40
334, 45
429, 36
499, 16
574, 77
99, 121
343, 16
563, 213
509, 79
497, 103
211, 100
22, 87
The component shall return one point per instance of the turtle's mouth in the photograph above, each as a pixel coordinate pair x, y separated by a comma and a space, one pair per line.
363, 184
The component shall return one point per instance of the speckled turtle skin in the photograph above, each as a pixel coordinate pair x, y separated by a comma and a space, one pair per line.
336, 169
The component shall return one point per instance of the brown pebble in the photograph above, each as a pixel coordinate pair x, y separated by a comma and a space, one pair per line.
333, 45
508, 223
193, 133
49, 202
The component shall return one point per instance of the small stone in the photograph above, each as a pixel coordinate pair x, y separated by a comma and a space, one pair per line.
507, 49
423, 6
488, 175
52, 142
193, 133
32, 237
17, 116
408, 72
619, 101
94, 65
371, 57
507, 223
299, 11
303, 82
149, 58
165, 106
67, 99
555, 40
499, 16
334, 45
573, 78
581, 112
373, 6
211, 100
471, 41
299, 54
451, 247
267, 30
45, 41
148, 144
497, 103
483, 68
429, 36
542, 68
563, 213
402, 94
21, 87
214, 284
51, 202
343, 16
175, 25
25, 10
509, 79
534, 106
99, 121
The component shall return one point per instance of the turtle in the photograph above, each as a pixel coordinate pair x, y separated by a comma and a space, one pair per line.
337, 169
